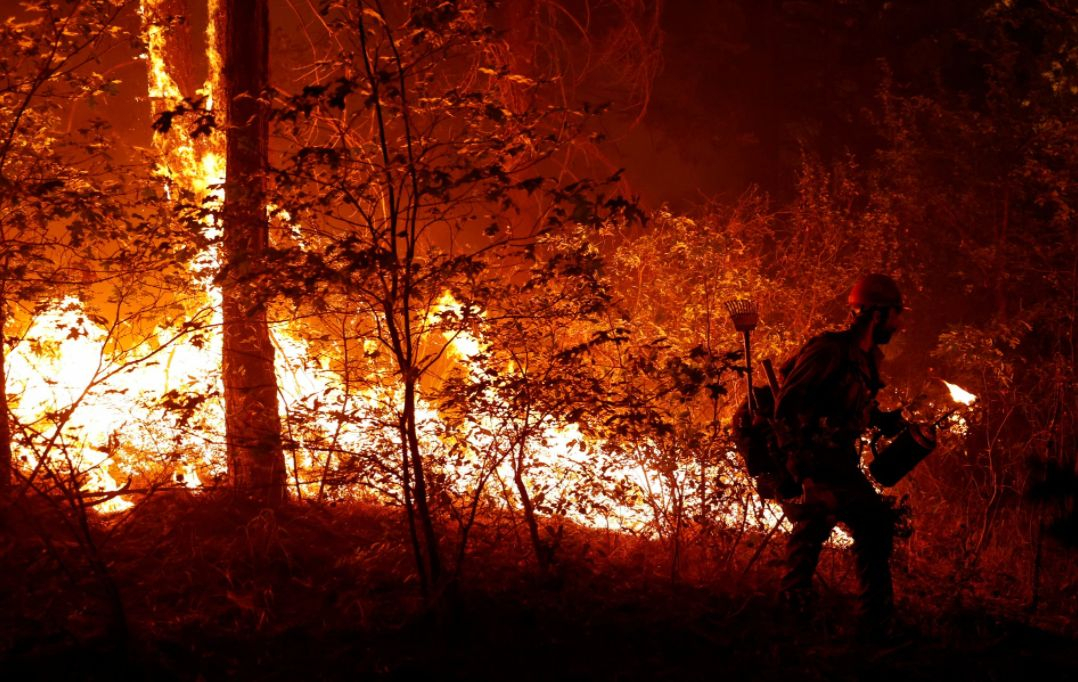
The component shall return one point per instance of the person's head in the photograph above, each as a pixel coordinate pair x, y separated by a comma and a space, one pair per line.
876, 307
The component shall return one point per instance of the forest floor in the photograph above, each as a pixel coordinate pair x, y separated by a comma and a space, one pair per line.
210, 591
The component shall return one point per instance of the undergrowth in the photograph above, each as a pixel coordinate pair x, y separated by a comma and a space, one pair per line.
215, 589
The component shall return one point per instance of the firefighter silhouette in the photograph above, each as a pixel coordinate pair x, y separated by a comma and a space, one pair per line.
826, 402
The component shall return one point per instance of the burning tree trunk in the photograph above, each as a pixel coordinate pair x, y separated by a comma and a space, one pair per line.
253, 430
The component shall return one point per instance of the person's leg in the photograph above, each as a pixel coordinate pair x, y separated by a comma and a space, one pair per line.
811, 528
871, 523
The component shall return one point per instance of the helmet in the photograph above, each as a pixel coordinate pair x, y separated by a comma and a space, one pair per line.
875, 290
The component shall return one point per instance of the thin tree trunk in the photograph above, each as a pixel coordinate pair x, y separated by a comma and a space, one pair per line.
6, 460
426, 521
409, 510
253, 429
542, 552
678, 496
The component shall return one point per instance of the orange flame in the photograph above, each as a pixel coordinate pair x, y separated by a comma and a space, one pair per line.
113, 413
959, 394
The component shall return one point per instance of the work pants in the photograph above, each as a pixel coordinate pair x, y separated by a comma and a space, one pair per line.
852, 501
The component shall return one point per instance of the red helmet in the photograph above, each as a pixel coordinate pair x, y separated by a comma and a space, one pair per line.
875, 290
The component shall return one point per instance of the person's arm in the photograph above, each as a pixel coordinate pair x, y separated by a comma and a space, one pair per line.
889, 423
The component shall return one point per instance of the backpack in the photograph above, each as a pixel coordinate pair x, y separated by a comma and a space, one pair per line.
754, 435
757, 444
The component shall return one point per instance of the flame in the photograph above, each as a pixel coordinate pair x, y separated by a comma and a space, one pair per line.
559, 458
194, 165
212, 86
50, 372
103, 429
117, 431
959, 394
112, 426
462, 344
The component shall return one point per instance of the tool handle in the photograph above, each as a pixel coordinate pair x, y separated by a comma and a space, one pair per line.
748, 376
772, 380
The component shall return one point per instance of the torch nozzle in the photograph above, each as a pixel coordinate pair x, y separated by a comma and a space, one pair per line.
946, 415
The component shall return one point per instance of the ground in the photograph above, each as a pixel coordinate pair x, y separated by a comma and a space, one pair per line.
327, 595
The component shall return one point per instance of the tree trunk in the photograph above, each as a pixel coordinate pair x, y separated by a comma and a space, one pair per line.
410, 513
253, 429
177, 43
419, 486
6, 460
542, 552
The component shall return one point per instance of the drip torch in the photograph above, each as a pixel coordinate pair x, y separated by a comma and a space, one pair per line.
913, 444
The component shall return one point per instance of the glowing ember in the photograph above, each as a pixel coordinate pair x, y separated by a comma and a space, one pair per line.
959, 394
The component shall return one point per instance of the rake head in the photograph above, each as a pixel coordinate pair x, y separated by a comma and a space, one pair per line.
744, 314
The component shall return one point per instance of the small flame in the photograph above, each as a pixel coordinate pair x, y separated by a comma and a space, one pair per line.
959, 394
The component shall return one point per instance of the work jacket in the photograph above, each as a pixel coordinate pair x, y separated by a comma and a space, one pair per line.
827, 401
